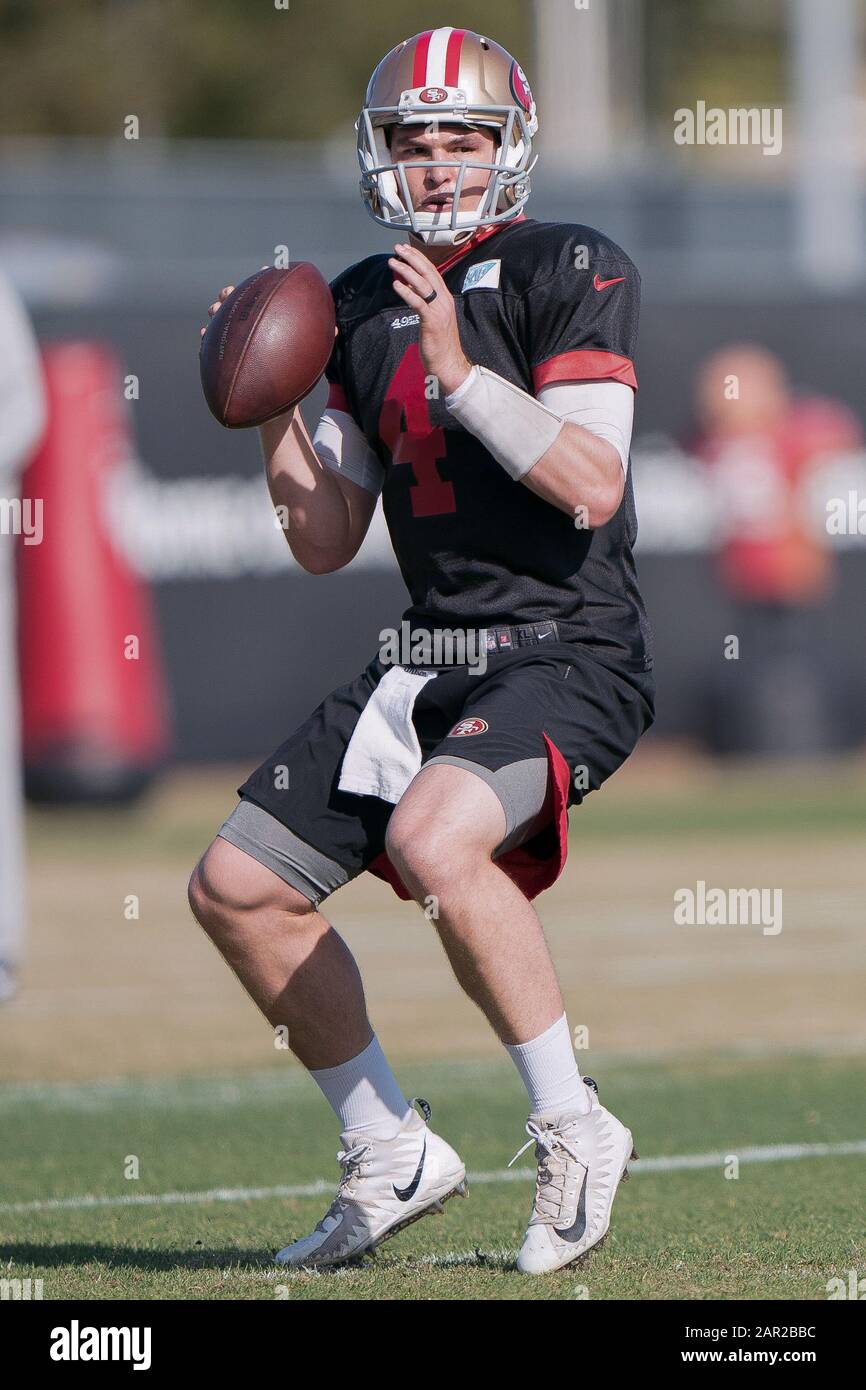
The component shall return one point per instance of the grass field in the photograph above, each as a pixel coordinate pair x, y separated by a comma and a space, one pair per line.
678, 1233
130, 1038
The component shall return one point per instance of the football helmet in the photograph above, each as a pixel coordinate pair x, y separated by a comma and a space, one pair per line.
452, 76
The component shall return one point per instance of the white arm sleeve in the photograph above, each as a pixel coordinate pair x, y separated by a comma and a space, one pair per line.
518, 429
605, 408
341, 445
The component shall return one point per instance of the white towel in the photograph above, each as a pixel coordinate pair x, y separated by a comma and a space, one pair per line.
383, 754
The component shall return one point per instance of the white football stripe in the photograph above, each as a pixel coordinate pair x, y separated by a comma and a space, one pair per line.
665, 1163
436, 57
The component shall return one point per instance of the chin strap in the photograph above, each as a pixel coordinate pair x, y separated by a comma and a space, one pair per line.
444, 236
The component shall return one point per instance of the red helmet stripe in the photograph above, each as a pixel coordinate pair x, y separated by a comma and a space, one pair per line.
452, 57
419, 67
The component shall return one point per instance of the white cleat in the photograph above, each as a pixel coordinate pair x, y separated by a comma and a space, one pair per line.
386, 1185
581, 1161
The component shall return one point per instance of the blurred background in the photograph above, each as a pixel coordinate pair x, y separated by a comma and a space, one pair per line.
157, 641
154, 151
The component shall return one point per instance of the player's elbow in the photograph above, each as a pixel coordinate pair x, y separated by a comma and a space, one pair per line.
599, 501
323, 562
320, 559
607, 505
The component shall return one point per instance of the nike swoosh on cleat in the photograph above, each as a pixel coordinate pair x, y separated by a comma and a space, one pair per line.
576, 1232
405, 1194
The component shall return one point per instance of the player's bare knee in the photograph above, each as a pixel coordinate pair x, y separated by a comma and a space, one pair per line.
427, 857
228, 886
210, 896
407, 848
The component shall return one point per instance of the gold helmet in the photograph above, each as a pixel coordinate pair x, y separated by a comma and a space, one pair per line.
452, 76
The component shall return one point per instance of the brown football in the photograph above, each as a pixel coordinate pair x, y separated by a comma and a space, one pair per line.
267, 345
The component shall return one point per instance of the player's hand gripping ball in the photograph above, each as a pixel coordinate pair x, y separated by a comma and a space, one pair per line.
267, 344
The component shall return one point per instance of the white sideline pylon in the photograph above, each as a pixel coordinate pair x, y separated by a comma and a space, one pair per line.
21, 426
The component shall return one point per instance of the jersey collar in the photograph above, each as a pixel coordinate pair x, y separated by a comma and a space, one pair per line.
475, 240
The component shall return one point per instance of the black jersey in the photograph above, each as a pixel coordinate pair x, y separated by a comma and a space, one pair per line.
536, 302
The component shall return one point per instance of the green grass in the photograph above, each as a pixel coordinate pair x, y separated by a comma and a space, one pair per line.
781, 1230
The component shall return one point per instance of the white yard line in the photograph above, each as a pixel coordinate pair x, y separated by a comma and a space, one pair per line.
204, 1090
667, 1163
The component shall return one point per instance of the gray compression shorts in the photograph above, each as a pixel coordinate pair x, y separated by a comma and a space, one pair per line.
522, 788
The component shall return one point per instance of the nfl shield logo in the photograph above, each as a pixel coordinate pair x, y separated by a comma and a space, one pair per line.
484, 276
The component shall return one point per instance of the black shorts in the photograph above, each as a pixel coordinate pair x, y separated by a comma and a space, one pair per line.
543, 725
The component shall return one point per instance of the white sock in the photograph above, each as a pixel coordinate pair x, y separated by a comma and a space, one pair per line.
364, 1095
548, 1070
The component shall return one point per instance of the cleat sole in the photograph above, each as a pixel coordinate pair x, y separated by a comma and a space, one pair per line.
596, 1245
434, 1208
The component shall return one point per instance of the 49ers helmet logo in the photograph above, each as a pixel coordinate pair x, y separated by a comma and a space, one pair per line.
433, 94
464, 727
520, 87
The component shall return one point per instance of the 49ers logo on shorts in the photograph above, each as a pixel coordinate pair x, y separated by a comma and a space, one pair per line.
464, 727
433, 94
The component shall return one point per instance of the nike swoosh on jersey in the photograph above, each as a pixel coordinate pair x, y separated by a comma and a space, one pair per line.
404, 1194
603, 284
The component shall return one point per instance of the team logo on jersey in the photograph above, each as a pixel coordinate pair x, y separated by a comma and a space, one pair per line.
520, 87
484, 276
464, 727
432, 95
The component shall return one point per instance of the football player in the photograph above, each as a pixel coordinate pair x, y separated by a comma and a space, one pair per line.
482, 382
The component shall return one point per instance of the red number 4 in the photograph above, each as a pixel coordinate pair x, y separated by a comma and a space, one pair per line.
418, 443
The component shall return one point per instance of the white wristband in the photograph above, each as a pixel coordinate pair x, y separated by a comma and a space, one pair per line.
341, 446
514, 427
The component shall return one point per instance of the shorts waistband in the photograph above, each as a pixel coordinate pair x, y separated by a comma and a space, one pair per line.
434, 645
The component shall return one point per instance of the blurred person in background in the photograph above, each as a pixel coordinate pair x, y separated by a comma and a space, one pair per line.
763, 446
22, 418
